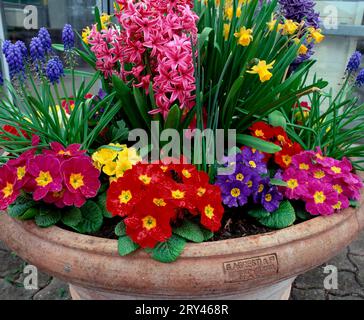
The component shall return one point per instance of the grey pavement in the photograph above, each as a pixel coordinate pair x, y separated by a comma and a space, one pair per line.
310, 286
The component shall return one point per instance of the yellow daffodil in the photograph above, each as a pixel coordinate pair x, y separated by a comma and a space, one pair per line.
302, 49
226, 31
229, 12
290, 27
105, 20
85, 34
262, 69
316, 35
244, 36
271, 25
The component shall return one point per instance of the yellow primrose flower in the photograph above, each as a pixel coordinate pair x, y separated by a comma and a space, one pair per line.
121, 167
244, 36
226, 31
110, 168
262, 69
316, 34
103, 156
290, 27
85, 34
129, 155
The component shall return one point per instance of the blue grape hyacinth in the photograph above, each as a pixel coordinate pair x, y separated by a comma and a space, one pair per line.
14, 58
46, 40
354, 62
37, 51
54, 70
360, 79
68, 37
1, 79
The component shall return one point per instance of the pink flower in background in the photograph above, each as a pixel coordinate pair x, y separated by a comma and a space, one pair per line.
156, 40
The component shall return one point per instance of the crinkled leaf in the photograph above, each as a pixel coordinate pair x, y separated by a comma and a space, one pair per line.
48, 217
276, 119
72, 217
303, 214
259, 213
120, 229
207, 234
126, 246
354, 204
170, 250
119, 132
278, 182
190, 231
22, 204
101, 202
284, 217
92, 218
30, 214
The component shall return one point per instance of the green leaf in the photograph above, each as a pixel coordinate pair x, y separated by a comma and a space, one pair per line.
119, 132
303, 214
284, 217
98, 19
22, 204
48, 217
120, 229
258, 144
170, 250
190, 231
126, 246
58, 47
29, 214
354, 204
277, 119
92, 218
259, 213
72, 217
203, 37
207, 234
278, 182
174, 118
101, 202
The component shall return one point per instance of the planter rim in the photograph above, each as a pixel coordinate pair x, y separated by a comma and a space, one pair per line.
103, 246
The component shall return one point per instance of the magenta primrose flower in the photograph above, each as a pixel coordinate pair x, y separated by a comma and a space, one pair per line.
81, 179
46, 176
60, 151
9, 187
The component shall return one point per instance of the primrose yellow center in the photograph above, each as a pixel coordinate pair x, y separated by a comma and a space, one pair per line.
268, 198
337, 206
201, 192
319, 156
240, 177
149, 223
164, 168
319, 174
261, 188
259, 133
209, 212
159, 202
145, 179
8, 190
186, 173
281, 138
319, 197
338, 188
64, 153
304, 166
252, 164
76, 180
58, 194
125, 197
235, 192
292, 184
336, 169
21, 171
249, 184
178, 194
287, 160
44, 179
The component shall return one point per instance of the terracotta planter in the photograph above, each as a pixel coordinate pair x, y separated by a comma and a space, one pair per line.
256, 267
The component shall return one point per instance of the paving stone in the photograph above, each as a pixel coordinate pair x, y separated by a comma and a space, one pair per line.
10, 291
357, 247
56, 290
307, 294
332, 297
3, 247
359, 262
313, 279
342, 262
9, 263
347, 285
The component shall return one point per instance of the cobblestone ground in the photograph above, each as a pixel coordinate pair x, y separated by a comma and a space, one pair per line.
310, 286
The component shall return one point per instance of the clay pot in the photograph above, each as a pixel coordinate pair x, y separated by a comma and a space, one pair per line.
256, 267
